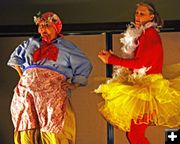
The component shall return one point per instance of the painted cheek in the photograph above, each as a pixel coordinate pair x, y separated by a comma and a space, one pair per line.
40, 29
136, 16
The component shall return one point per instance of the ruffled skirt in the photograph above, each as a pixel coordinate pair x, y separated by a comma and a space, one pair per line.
150, 98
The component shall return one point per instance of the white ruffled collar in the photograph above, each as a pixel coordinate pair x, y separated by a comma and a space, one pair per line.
131, 36
130, 43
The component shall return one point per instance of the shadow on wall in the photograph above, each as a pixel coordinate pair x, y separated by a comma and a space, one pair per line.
6, 128
8, 80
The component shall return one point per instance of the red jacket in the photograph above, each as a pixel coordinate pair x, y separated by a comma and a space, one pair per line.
148, 53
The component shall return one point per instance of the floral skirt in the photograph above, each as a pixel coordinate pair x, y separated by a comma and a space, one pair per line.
150, 98
39, 101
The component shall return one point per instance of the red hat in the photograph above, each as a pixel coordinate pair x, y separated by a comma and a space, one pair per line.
50, 18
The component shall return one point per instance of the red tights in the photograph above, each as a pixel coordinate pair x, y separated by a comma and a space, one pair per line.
137, 134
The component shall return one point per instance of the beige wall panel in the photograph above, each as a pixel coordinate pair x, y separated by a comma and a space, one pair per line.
171, 44
91, 127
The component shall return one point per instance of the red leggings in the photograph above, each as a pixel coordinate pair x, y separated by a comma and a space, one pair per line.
137, 134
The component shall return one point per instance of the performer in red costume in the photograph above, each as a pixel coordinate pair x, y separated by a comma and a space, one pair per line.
138, 94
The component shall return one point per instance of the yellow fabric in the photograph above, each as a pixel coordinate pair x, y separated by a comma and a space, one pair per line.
66, 137
26, 137
69, 129
52, 138
145, 99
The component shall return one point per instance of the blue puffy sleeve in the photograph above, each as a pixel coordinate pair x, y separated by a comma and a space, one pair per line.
18, 55
79, 63
81, 67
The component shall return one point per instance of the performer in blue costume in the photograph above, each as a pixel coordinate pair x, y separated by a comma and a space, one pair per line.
49, 67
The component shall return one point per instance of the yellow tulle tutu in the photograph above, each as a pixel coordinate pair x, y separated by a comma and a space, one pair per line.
145, 99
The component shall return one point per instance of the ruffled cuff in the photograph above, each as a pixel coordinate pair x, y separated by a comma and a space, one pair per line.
82, 80
13, 62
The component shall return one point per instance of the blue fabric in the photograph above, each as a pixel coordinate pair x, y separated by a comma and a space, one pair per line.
71, 61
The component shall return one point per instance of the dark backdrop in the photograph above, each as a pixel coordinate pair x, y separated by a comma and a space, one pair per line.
21, 12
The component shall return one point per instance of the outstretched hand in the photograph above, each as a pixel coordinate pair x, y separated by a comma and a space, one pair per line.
104, 55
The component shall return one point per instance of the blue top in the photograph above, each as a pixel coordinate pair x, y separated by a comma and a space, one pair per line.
70, 60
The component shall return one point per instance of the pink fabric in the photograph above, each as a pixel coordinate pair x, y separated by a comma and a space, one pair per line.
39, 101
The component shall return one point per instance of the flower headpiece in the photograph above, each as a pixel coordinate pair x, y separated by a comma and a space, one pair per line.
49, 18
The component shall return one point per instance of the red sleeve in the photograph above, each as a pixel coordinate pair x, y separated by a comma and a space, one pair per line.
148, 53
129, 63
